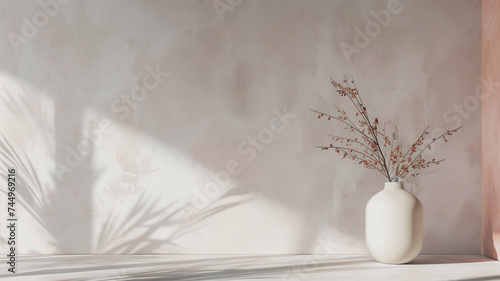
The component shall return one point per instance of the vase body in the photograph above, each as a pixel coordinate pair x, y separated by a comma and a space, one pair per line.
394, 225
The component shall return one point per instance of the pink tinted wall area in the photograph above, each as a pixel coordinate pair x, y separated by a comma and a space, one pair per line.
491, 127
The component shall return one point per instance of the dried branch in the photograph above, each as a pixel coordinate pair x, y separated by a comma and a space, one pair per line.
393, 164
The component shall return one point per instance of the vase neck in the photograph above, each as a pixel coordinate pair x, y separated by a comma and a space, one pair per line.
394, 185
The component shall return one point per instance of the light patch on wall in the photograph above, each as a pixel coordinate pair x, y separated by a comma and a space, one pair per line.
137, 168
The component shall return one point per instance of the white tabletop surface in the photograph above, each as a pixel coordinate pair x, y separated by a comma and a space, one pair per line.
262, 268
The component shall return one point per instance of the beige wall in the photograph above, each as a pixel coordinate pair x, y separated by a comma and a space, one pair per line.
491, 129
197, 160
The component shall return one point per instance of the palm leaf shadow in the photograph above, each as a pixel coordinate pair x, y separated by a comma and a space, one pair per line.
211, 210
152, 216
144, 214
29, 190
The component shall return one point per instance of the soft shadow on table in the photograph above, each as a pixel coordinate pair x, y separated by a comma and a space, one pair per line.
114, 268
447, 259
230, 270
485, 278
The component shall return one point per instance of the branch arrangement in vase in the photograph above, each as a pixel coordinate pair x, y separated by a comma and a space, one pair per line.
371, 147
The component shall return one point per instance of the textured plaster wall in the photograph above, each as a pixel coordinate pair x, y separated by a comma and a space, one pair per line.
184, 126
490, 129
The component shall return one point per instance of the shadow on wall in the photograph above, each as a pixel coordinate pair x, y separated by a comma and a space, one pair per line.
64, 209
42, 198
148, 214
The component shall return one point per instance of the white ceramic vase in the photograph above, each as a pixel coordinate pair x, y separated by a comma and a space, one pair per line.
394, 225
